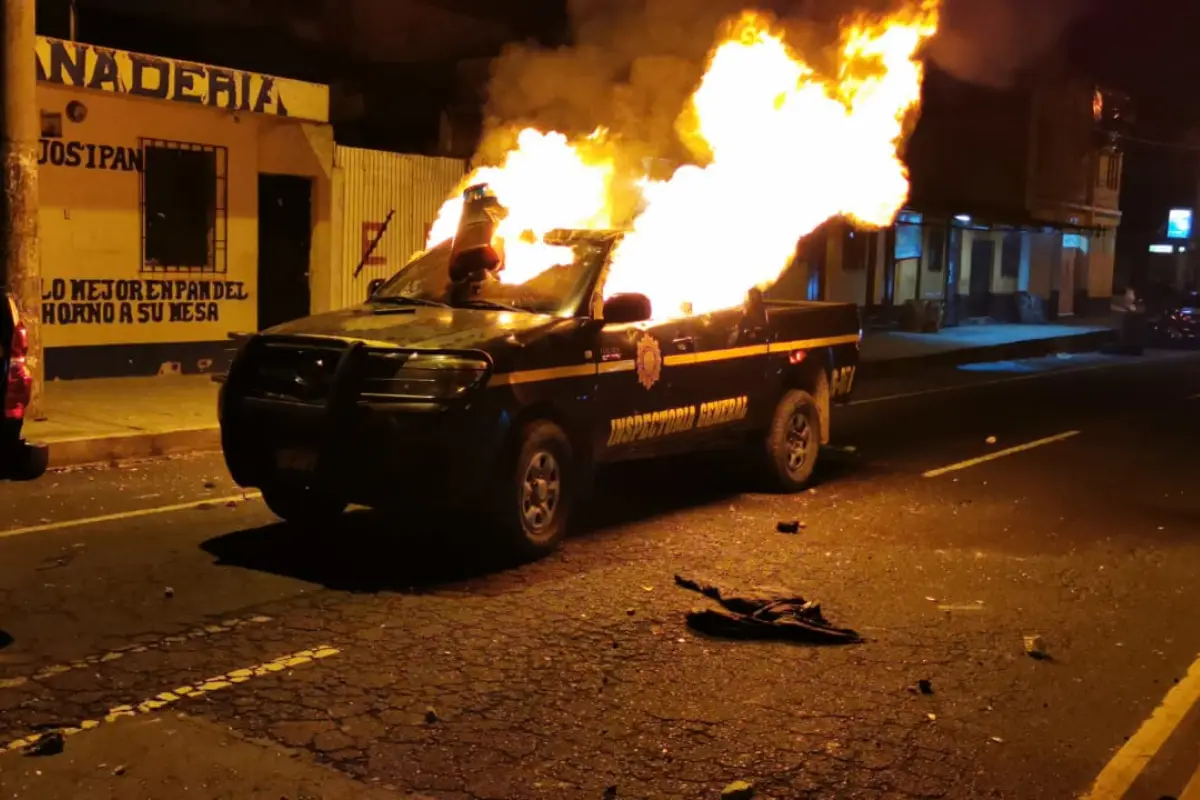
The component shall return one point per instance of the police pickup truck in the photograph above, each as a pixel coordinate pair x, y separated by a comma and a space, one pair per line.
453, 387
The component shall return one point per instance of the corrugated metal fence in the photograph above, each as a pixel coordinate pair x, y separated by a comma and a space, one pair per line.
374, 183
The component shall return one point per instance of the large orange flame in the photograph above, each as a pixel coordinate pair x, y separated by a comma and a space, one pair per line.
784, 150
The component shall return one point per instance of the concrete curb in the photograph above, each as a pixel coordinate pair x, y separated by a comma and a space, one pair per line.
122, 447
1030, 348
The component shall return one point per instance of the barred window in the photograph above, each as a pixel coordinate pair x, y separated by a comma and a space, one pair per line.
184, 204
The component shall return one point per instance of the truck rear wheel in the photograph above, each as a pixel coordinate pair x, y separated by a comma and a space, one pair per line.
534, 491
302, 505
792, 443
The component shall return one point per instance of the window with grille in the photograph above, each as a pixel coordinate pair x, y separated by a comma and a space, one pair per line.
184, 205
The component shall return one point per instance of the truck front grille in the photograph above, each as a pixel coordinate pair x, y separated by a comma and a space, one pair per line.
299, 373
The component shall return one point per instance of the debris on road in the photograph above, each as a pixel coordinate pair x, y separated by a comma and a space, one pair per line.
925, 686
431, 716
763, 613
793, 527
1035, 647
50, 743
610, 793
168, 592
991, 440
738, 790
119, 770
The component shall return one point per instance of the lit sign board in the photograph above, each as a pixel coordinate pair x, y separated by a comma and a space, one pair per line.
1162, 248
1179, 223
1075, 241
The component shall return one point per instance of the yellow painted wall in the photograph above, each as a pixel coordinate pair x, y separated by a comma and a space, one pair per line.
91, 223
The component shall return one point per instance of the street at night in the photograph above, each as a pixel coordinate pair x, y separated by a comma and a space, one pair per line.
192, 646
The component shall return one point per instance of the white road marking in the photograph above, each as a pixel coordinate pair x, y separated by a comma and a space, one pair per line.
1013, 379
216, 684
203, 632
1120, 773
974, 462
123, 515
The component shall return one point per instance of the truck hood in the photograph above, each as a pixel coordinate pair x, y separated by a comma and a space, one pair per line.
424, 327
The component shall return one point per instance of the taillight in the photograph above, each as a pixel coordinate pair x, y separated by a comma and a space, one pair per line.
18, 390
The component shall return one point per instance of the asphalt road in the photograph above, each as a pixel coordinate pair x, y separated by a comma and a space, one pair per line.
196, 643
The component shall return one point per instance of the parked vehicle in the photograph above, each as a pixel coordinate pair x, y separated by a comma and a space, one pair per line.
19, 460
1178, 323
450, 386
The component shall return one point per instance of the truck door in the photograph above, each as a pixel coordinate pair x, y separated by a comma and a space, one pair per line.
638, 413
723, 373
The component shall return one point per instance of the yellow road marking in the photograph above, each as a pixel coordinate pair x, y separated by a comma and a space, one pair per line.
974, 462
123, 515
1125, 767
1192, 790
112, 655
164, 699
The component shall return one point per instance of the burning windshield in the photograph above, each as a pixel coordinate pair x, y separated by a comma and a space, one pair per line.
563, 276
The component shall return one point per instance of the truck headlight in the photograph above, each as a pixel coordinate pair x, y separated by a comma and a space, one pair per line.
425, 376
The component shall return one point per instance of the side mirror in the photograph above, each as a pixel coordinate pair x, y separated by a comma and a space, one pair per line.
621, 309
374, 286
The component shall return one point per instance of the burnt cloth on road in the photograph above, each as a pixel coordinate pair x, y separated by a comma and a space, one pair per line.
763, 613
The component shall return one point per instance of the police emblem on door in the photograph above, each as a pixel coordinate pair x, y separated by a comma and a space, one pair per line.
649, 361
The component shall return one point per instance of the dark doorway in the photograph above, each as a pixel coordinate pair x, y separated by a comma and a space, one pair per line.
983, 257
284, 244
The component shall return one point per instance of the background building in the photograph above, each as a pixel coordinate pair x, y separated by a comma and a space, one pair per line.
1013, 214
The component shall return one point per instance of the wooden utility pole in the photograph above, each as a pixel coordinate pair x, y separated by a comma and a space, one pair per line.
20, 263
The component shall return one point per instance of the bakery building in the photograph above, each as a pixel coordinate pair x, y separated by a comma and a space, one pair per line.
179, 203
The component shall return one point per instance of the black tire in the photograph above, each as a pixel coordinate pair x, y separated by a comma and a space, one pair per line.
302, 506
534, 491
789, 450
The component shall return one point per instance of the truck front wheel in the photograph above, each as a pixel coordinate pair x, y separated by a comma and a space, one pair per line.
534, 491
792, 443
302, 505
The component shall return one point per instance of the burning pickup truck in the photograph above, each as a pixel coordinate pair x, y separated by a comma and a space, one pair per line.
450, 384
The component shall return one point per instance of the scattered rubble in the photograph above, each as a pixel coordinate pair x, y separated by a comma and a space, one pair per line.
50, 743
738, 790
763, 613
1035, 647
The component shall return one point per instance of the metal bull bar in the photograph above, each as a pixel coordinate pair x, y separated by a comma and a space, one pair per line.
337, 421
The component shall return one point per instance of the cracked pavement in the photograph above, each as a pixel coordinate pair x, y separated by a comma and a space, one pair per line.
459, 678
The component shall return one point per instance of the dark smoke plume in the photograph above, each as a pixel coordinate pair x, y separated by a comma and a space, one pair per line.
633, 64
989, 42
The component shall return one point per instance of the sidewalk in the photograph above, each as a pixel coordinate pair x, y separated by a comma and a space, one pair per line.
175, 756
110, 419
894, 353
